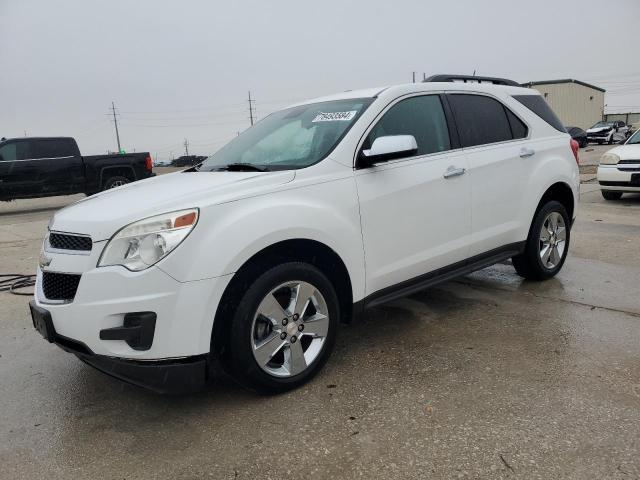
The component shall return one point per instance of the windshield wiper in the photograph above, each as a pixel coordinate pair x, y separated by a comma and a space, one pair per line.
242, 167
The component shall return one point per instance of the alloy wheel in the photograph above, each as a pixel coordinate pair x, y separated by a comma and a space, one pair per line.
289, 329
117, 183
553, 240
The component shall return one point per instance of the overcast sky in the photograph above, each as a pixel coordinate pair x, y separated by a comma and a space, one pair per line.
181, 69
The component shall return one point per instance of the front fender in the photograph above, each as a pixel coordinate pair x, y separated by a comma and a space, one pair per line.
228, 235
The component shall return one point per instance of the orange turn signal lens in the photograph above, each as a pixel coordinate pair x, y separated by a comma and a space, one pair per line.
185, 220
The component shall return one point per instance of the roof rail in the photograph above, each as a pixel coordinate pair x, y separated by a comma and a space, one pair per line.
471, 79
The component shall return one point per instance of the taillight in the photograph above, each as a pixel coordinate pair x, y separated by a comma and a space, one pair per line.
148, 163
575, 146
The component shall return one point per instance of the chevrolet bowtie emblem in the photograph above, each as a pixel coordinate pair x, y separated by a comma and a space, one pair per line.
44, 260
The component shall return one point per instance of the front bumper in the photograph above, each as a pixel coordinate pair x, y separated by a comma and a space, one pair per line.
172, 376
184, 310
611, 177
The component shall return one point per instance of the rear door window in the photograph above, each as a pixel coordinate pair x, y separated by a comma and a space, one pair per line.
518, 128
420, 116
482, 120
54, 148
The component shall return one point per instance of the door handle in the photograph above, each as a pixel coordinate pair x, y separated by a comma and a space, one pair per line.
454, 172
527, 152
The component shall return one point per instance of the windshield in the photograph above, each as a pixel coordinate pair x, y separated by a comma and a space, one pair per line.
635, 138
290, 139
602, 124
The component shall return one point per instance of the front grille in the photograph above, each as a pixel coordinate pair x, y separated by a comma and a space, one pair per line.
60, 286
66, 241
629, 161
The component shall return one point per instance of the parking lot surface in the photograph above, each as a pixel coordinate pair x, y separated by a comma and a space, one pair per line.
487, 376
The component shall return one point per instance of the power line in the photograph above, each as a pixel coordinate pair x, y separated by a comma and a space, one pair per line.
172, 125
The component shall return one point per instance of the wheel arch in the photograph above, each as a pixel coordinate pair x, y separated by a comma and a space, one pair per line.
116, 171
561, 192
304, 250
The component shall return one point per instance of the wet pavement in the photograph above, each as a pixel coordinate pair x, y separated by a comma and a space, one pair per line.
484, 377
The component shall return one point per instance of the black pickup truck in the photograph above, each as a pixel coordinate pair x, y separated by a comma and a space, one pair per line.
44, 166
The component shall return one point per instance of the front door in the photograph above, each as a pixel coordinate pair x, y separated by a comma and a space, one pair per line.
415, 211
16, 176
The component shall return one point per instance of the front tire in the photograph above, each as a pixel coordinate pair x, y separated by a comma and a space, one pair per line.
547, 244
283, 329
611, 195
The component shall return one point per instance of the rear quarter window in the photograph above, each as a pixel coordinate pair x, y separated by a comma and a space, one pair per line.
541, 108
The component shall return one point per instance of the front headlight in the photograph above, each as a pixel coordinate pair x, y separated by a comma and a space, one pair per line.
144, 243
609, 159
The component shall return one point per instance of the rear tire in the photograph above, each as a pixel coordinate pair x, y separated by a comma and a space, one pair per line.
611, 195
113, 182
547, 244
283, 329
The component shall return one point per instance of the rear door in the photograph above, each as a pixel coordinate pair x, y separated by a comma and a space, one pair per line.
415, 211
59, 164
495, 142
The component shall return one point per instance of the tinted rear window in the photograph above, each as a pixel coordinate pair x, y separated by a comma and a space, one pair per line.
59, 147
539, 106
480, 120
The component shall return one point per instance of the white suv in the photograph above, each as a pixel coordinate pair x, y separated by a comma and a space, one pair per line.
249, 260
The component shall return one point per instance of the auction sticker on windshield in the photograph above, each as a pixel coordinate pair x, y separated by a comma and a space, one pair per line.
335, 116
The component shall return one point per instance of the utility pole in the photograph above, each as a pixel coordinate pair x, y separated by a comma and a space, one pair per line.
186, 147
115, 122
251, 108
413, 74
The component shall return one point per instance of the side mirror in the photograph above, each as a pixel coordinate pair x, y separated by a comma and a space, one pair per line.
389, 147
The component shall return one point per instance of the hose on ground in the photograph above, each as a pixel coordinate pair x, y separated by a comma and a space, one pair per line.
14, 282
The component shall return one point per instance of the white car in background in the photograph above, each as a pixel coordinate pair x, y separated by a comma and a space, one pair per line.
619, 169
608, 132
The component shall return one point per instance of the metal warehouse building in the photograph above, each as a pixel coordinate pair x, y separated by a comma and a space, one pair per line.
578, 104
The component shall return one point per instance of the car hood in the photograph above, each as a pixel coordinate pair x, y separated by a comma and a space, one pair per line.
598, 130
103, 214
627, 152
